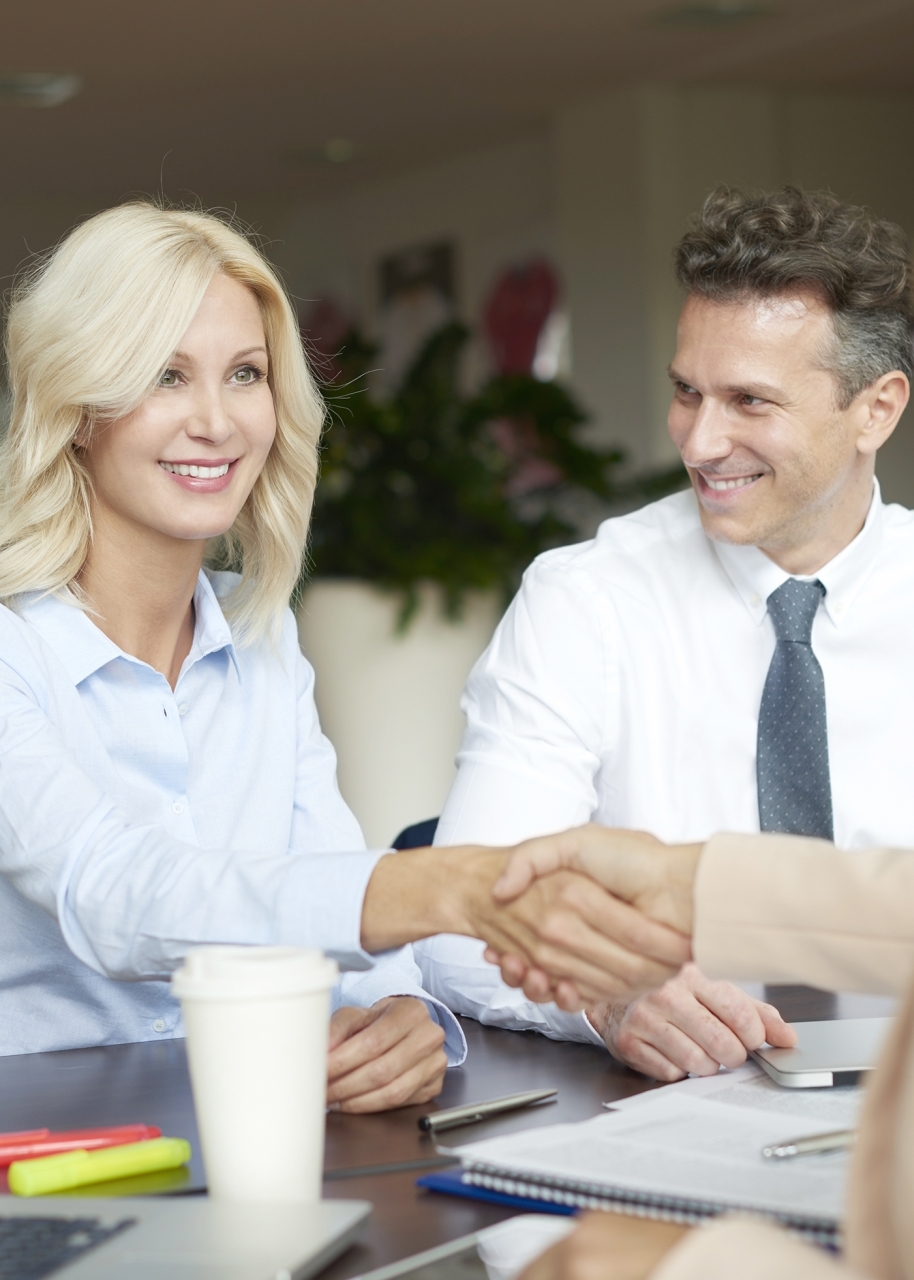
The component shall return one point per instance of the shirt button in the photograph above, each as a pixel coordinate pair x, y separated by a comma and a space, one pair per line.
182, 709
755, 600
178, 806
839, 606
159, 1024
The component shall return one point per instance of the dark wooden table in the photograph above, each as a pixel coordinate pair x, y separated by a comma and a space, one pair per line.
376, 1158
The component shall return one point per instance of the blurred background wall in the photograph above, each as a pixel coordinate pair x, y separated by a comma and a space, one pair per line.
571, 136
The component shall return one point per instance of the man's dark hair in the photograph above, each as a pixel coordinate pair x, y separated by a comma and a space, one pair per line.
791, 240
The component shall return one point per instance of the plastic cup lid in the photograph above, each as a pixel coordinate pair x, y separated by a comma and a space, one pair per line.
252, 973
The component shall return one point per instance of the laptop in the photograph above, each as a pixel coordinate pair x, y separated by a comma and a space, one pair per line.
179, 1238
826, 1053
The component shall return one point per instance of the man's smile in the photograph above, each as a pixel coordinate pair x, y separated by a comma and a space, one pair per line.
717, 486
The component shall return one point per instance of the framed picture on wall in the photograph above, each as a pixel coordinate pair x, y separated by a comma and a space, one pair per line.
417, 297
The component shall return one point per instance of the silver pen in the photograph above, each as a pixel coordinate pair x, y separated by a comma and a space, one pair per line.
839, 1140
474, 1111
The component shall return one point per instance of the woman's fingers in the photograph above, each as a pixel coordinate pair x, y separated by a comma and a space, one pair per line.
345, 1023
420, 1083
576, 930
392, 1058
569, 928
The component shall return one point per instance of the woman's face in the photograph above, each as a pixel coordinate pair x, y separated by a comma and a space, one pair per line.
183, 463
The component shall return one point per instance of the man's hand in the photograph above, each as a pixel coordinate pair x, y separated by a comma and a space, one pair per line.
692, 1025
607, 1246
387, 1056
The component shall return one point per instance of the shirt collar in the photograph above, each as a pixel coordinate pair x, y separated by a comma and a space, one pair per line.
755, 576
83, 649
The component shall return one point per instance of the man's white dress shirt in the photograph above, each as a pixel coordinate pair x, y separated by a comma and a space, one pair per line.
624, 684
137, 821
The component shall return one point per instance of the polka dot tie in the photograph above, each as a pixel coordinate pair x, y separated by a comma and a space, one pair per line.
794, 786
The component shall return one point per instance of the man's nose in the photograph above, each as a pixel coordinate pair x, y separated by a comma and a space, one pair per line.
708, 438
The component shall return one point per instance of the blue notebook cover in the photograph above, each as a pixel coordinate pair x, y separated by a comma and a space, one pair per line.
450, 1183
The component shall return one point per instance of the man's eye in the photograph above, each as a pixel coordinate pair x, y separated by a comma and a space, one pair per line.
752, 401
169, 378
685, 390
248, 374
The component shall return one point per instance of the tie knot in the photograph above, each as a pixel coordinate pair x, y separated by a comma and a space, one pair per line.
793, 607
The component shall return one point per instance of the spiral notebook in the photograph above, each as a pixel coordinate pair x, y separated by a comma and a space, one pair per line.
685, 1153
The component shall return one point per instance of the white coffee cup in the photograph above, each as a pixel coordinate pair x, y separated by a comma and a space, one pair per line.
257, 1021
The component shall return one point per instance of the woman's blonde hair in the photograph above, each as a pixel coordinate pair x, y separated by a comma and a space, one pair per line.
90, 332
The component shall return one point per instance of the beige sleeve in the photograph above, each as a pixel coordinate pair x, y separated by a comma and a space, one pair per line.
748, 1251
789, 909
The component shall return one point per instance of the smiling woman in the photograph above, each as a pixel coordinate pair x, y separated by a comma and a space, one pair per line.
162, 771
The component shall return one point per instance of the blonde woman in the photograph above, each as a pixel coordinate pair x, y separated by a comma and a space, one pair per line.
155, 718
163, 778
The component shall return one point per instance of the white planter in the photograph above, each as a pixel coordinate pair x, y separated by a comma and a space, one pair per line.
389, 703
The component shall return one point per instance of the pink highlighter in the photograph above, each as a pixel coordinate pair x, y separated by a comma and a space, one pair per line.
31, 1143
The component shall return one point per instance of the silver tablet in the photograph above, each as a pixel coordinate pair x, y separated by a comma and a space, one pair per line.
827, 1053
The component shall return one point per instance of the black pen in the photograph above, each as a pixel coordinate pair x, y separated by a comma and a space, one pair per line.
474, 1111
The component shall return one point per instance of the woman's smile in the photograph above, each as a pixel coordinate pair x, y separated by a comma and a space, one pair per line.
199, 475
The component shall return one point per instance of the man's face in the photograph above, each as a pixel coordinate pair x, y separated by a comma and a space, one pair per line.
769, 453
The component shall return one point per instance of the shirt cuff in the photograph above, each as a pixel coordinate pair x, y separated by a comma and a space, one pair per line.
591, 1032
455, 1042
322, 905
384, 982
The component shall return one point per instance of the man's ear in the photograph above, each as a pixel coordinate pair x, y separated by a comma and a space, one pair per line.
882, 404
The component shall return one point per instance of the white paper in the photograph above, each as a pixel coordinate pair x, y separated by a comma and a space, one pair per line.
693, 1143
506, 1248
749, 1086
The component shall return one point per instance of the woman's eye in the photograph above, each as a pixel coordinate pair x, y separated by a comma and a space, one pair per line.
169, 378
250, 373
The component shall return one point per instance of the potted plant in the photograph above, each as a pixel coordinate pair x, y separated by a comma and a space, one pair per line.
430, 506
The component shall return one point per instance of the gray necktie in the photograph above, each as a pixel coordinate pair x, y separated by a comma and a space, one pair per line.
794, 787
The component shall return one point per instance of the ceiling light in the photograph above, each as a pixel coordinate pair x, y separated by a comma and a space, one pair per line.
38, 88
728, 13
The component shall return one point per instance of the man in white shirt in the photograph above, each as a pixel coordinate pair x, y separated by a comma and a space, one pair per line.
647, 678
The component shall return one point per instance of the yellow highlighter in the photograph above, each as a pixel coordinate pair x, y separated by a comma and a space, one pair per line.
47, 1174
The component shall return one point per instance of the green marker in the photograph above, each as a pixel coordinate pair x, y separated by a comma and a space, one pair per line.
47, 1174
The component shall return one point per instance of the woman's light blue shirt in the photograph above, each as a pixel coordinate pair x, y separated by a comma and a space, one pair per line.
137, 821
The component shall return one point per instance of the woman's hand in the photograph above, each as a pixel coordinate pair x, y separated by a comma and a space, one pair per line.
607, 1246
387, 1056
656, 878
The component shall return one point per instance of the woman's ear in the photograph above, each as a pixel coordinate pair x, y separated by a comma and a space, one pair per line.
83, 435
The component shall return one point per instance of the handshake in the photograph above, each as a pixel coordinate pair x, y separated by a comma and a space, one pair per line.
588, 915
583, 917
